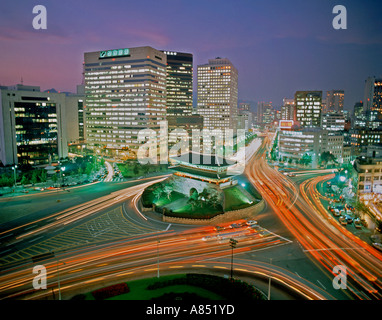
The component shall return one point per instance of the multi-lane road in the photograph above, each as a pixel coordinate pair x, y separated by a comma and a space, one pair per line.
329, 245
102, 239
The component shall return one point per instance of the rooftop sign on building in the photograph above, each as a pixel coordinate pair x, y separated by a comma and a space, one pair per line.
114, 53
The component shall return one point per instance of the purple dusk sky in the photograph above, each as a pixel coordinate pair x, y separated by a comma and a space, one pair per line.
278, 46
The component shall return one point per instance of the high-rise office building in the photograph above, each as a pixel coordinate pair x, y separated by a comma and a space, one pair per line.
75, 118
32, 127
308, 108
218, 94
334, 101
333, 121
372, 103
244, 106
265, 112
179, 83
125, 92
287, 109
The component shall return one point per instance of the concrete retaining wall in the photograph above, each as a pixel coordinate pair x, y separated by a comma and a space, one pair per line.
221, 218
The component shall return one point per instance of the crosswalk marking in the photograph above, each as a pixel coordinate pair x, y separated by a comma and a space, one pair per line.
110, 225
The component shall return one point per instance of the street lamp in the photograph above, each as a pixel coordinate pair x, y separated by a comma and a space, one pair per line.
269, 284
58, 279
62, 170
232, 243
14, 173
158, 256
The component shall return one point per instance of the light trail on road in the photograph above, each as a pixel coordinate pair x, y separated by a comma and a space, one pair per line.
80, 211
303, 219
120, 259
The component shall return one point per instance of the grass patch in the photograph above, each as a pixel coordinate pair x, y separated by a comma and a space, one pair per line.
131, 168
235, 199
138, 290
184, 286
187, 211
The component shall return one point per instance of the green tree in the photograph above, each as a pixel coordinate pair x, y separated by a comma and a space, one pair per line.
24, 180
193, 202
136, 169
89, 168
6, 181
306, 159
35, 176
43, 175
167, 189
157, 192
327, 157
204, 196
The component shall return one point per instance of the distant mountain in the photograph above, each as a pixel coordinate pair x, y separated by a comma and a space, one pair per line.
51, 90
55, 91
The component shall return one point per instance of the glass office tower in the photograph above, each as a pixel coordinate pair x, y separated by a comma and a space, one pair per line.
125, 92
218, 94
179, 83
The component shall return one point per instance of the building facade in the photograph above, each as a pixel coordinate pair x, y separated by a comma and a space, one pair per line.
217, 96
125, 92
334, 101
287, 109
369, 172
179, 82
308, 108
75, 117
294, 144
265, 113
333, 121
372, 103
32, 126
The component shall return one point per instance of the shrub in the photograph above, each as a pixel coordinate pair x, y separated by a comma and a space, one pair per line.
231, 290
110, 291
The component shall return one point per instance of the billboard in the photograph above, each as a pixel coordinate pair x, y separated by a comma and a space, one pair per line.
286, 124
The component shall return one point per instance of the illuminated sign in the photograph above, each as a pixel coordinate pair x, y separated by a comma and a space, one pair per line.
114, 53
170, 53
286, 124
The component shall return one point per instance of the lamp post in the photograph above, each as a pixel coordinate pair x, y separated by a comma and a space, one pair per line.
232, 243
157, 256
58, 279
269, 284
62, 170
14, 173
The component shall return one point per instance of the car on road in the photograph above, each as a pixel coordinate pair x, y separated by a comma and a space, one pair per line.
350, 208
343, 220
251, 222
357, 223
377, 245
348, 218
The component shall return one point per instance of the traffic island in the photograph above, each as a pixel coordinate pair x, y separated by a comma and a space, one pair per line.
186, 287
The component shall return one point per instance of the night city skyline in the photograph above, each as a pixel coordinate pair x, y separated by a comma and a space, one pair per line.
199, 156
288, 45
